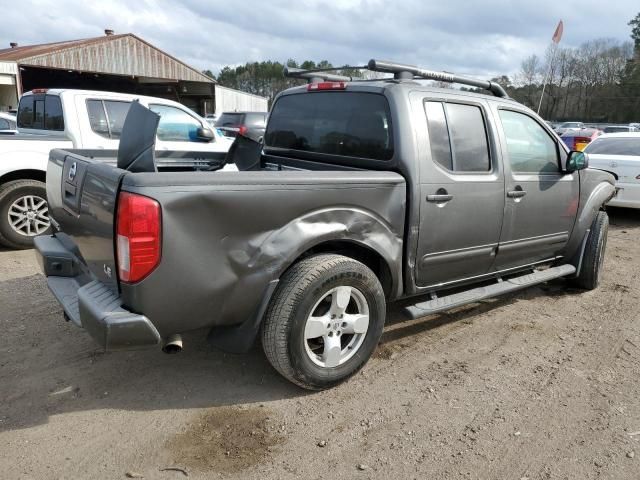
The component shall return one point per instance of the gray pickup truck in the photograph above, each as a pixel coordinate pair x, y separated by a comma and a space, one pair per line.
361, 193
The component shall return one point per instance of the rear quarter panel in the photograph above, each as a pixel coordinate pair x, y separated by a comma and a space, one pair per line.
226, 235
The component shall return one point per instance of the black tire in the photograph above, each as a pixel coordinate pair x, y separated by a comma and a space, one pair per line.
593, 257
9, 193
299, 291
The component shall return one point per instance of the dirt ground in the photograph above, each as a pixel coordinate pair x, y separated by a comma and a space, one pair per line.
541, 384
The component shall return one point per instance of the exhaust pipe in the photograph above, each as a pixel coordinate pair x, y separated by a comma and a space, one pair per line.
173, 344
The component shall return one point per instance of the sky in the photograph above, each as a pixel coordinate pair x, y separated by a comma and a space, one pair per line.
479, 38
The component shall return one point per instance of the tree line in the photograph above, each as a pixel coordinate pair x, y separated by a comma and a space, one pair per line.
599, 81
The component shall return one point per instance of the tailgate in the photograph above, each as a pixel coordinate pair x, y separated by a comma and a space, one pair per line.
82, 197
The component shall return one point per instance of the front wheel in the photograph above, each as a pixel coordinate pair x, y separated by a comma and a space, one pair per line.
593, 256
24, 213
324, 321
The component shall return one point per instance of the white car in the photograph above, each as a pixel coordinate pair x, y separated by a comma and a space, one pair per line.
619, 153
82, 119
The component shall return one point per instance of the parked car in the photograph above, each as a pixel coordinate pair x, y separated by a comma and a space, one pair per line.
619, 129
579, 139
568, 127
7, 124
234, 123
619, 153
79, 119
363, 193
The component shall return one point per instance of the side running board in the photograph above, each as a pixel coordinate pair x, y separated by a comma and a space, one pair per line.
435, 305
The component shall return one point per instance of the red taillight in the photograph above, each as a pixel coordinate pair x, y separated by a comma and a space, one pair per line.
312, 87
242, 129
39, 90
138, 236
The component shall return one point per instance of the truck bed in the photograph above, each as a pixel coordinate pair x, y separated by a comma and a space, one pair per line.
226, 236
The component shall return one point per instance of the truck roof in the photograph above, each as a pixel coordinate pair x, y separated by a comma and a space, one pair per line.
408, 85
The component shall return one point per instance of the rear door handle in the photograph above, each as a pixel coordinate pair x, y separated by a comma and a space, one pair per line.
439, 197
516, 194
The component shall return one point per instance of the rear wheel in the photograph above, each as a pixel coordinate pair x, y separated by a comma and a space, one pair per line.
593, 257
24, 213
324, 321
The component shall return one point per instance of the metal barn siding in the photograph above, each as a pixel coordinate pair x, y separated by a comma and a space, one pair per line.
115, 54
229, 100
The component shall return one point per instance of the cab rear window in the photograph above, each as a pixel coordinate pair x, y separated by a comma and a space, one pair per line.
349, 124
41, 112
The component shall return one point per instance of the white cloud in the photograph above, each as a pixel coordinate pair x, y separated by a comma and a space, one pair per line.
483, 38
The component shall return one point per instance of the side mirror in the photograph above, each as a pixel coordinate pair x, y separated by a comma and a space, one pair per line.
577, 161
205, 134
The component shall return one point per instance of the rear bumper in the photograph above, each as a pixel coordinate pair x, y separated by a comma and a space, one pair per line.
89, 303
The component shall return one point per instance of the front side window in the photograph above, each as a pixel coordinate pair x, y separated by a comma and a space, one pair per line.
4, 124
458, 137
529, 147
176, 125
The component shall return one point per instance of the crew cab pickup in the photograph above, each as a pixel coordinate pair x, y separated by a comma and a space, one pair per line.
80, 119
361, 194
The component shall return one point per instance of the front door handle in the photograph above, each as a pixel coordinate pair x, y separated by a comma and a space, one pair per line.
516, 193
439, 197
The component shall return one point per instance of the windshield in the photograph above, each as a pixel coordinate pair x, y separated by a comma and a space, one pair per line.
615, 146
351, 124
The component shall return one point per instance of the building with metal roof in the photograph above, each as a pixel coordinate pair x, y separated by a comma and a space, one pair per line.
119, 63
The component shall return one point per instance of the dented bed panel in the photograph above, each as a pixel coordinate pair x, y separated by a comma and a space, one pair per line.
224, 242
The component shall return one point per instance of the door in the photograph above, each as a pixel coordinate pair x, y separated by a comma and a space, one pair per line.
541, 201
462, 193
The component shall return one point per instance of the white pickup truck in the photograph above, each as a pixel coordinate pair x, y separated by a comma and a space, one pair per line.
86, 120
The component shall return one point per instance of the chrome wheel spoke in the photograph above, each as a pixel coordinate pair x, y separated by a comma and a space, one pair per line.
316, 327
332, 351
340, 300
356, 323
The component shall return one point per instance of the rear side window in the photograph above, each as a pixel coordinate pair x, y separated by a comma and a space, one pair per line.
350, 124
615, 146
42, 112
107, 117
458, 137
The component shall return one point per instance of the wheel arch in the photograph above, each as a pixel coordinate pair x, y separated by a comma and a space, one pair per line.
25, 174
357, 251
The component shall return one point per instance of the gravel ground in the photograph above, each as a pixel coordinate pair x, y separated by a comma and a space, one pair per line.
541, 384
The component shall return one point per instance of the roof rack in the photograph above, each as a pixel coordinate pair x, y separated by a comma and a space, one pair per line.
404, 72
400, 72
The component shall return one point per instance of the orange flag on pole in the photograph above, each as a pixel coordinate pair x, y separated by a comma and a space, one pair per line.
558, 33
